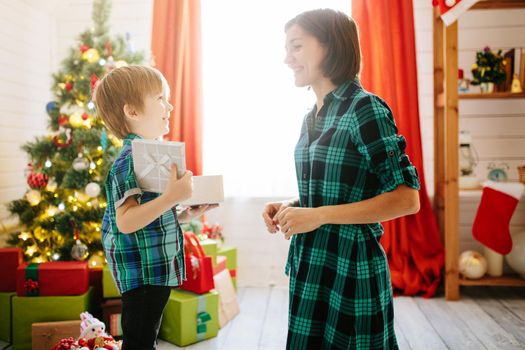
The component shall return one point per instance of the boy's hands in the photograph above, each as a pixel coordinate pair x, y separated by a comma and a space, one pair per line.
189, 213
181, 189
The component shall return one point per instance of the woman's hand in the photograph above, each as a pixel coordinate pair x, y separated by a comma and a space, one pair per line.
272, 209
190, 213
297, 220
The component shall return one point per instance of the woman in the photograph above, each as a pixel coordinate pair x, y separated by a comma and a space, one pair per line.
352, 173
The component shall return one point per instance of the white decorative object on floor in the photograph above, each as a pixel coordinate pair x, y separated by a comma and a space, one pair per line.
516, 257
152, 162
472, 264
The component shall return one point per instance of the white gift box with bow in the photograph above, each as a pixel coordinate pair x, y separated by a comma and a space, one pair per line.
152, 162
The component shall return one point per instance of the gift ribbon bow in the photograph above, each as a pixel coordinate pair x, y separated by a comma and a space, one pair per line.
202, 318
161, 163
31, 285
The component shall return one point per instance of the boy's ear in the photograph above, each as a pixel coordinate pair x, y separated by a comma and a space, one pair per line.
130, 112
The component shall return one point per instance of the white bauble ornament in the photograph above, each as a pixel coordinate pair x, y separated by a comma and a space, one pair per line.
516, 257
80, 163
472, 264
79, 251
33, 197
93, 189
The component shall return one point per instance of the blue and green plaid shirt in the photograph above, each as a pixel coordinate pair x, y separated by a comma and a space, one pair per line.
152, 255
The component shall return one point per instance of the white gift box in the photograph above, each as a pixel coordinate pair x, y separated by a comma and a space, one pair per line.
207, 189
152, 162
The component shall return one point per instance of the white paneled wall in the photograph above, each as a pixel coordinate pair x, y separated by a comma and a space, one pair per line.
26, 34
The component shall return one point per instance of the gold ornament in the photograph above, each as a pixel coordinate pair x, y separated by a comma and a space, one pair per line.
24, 236
33, 197
40, 234
32, 249
91, 55
52, 210
51, 185
76, 120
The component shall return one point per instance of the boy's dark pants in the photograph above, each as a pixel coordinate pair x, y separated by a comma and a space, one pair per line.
141, 316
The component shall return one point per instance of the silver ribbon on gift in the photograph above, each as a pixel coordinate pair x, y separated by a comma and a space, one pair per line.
159, 162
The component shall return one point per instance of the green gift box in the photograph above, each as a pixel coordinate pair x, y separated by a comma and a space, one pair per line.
210, 248
231, 254
29, 310
189, 318
6, 312
109, 287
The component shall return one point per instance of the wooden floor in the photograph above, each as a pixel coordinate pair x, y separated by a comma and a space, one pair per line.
484, 318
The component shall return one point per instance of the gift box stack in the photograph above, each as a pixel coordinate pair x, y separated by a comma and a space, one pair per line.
45, 293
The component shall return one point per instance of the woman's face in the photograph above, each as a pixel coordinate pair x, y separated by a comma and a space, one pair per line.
304, 54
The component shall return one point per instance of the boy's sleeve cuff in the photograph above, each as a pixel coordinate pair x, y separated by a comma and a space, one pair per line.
128, 193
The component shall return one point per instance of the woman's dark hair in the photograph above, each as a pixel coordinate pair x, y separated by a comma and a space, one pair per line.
338, 33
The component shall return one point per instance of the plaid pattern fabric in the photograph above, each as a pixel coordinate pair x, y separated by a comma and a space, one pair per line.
340, 289
151, 255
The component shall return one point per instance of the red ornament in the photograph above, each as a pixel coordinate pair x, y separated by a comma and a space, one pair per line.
63, 119
93, 81
37, 180
68, 86
83, 48
85, 116
64, 139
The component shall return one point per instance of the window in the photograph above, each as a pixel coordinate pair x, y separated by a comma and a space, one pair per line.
252, 110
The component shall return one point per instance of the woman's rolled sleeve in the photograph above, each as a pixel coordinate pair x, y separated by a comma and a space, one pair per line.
379, 142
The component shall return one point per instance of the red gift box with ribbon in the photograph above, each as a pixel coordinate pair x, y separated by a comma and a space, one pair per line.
10, 259
58, 278
199, 270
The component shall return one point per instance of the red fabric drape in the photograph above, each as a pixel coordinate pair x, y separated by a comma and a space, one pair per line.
412, 243
176, 50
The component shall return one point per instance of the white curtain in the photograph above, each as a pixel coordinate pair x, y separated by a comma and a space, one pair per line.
252, 109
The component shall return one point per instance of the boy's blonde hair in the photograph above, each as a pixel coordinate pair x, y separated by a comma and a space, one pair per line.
125, 85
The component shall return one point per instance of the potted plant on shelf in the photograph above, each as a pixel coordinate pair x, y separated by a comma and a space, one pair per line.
488, 70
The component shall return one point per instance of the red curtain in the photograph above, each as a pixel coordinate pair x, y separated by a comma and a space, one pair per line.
176, 51
412, 243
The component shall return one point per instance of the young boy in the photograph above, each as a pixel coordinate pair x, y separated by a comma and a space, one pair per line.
140, 233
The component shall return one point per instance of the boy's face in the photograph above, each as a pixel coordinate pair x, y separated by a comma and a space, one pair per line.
153, 121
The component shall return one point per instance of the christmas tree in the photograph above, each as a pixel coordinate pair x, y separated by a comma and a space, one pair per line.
61, 212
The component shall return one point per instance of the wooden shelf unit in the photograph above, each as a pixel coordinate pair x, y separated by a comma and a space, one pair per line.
492, 95
504, 281
446, 145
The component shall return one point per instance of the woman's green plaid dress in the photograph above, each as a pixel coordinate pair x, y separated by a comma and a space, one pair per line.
340, 289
